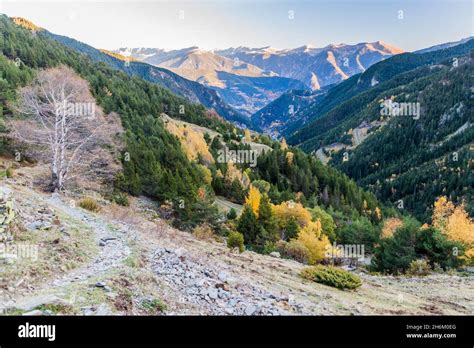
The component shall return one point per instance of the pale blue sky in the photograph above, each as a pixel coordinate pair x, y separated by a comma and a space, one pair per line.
224, 23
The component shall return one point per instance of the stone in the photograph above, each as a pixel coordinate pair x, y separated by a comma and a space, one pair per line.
181, 252
5, 192
222, 276
35, 225
111, 295
250, 310
222, 286
275, 254
213, 294
33, 312
103, 309
34, 302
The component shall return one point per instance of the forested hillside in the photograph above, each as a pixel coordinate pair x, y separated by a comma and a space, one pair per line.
277, 115
412, 160
324, 115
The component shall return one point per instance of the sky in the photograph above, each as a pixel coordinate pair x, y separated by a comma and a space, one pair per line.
213, 24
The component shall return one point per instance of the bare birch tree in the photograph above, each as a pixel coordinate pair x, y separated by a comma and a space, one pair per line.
61, 121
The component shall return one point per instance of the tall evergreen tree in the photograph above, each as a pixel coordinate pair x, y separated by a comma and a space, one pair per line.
266, 219
247, 225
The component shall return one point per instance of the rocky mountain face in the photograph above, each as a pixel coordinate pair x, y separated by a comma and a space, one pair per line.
316, 67
250, 78
193, 91
195, 64
244, 86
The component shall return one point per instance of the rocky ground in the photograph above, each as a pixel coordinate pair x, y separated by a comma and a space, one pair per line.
125, 260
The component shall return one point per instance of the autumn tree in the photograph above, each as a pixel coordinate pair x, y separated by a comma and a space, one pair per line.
247, 136
389, 227
60, 123
287, 210
253, 199
443, 208
311, 237
328, 225
455, 223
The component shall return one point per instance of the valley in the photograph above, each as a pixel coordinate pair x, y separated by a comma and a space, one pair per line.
233, 181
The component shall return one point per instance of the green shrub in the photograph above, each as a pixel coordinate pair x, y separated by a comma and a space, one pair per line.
153, 306
89, 203
268, 248
120, 198
419, 267
232, 214
433, 245
410, 243
360, 231
236, 240
9, 172
331, 276
394, 255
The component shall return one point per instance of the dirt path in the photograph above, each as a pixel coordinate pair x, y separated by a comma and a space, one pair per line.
112, 240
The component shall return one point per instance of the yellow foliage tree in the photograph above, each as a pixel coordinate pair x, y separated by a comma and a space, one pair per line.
283, 144
253, 199
455, 223
192, 142
461, 228
378, 213
443, 208
312, 238
206, 173
233, 173
286, 210
289, 157
248, 137
389, 227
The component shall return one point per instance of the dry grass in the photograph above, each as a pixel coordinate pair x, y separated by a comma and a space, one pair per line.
90, 204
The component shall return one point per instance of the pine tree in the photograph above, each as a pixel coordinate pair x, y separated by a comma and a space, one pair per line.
266, 219
247, 225
291, 229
